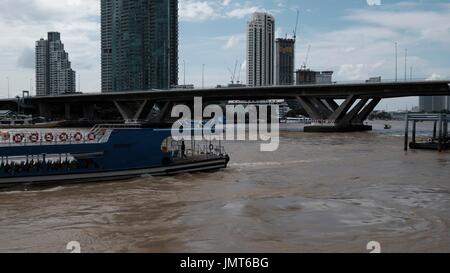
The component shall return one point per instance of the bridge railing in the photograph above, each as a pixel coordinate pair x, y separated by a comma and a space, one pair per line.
22, 103
356, 81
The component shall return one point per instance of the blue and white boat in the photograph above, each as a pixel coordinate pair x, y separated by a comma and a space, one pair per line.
104, 153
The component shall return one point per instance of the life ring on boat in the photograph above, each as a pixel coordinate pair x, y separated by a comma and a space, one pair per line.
63, 137
34, 137
18, 138
78, 137
6, 136
91, 136
49, 137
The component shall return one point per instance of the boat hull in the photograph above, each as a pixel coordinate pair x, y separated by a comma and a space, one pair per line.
209, 164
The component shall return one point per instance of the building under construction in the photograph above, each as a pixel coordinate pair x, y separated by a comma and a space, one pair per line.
285, 61
307, 76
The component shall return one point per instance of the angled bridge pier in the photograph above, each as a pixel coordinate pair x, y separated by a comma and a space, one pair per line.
328, 116
143, 111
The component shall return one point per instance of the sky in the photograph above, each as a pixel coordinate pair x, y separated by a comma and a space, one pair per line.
354, 38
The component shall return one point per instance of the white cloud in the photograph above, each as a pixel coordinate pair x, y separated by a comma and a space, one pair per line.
242, 12
434, 77
26, 59
244, 65
373, 2
424, 25
22, 22
226, 2
233, 41
366, 49
196, 10
352, 71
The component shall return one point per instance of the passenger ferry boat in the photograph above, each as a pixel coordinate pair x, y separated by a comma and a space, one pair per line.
104, 153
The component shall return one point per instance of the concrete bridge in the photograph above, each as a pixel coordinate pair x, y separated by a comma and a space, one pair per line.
153, 106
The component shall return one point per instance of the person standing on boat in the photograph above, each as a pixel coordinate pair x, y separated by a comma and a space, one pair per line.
183, 149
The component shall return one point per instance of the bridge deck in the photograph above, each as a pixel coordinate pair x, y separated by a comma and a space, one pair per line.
338, 90
318, 100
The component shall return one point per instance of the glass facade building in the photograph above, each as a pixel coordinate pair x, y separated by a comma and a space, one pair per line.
139, 44
434, 103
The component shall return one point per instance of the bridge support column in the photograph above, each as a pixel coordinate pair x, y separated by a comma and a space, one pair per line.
131, 113
328, 116
332, 104
364, 114
314, 110
88, 111
158, 112
44, 110
67, 111
158, 117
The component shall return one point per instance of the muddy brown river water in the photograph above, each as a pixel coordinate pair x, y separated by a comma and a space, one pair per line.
317, 193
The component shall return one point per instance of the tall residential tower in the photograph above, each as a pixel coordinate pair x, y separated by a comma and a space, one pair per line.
260, 50
139, 44
54, 74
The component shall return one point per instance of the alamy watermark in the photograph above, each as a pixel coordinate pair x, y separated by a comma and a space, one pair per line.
374, 247
73, 247
249, 122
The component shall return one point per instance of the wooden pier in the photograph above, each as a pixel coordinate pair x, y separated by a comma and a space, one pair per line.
440, 139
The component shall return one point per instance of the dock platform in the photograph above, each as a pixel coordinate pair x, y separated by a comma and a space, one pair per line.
439, 140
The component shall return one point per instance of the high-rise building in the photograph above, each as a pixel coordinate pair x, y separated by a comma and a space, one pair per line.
260, 50
426, 104
439, 103
433, 103
139, 44
284, 61
54, 74
42, 68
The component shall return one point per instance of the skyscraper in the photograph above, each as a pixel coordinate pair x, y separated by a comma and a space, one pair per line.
426, 104
284, 61
433, 103
260, 50
54, 74
139, 44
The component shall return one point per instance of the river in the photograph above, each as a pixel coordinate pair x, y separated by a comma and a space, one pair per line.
317, 193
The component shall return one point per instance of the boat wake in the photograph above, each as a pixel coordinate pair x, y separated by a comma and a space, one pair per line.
276, 163
32, 190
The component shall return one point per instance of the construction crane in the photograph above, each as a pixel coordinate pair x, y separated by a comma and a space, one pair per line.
232, 76
305, 64
239, 74
233, 73
296, 25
